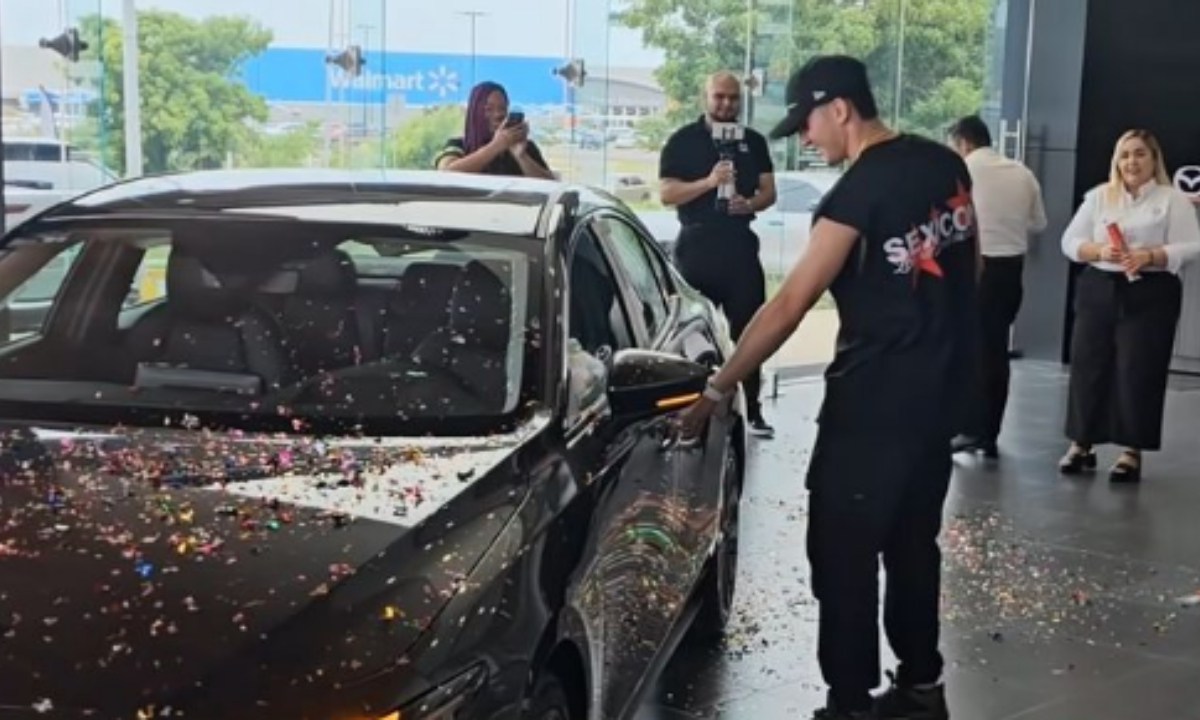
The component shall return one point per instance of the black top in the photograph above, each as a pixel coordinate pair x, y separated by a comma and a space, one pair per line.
906, 296
505, 164
691, 153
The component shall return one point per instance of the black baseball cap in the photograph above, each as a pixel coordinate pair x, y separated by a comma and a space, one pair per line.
824, 79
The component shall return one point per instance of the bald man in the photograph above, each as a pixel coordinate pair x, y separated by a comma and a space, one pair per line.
716, 251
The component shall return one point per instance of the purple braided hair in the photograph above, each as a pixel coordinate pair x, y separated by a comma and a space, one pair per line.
478, 130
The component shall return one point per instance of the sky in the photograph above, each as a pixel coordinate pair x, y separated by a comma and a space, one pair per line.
507, 27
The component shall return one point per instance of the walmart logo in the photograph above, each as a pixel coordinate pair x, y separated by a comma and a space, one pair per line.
443, 81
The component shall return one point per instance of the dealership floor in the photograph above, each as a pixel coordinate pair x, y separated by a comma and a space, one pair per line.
1064, 599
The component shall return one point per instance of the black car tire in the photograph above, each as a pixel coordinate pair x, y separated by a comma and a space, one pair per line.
549, 700
720, 577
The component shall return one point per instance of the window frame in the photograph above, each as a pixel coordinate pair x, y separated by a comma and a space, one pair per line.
631, 327
658, 270
587, 414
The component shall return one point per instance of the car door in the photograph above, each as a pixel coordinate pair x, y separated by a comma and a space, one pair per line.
671, 325
666, 498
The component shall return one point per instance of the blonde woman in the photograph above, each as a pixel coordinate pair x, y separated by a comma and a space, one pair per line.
1127, 303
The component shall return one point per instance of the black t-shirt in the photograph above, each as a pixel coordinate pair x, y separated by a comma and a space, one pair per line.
505, 164
906, 295
691, 153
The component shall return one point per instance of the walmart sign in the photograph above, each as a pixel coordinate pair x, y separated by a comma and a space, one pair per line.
300, 75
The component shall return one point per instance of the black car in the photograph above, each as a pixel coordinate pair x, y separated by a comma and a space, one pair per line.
385, 446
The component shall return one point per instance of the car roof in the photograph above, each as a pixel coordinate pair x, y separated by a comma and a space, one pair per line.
460, 201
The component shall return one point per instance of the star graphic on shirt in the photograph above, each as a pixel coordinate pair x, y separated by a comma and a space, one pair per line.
924, 254
961, 199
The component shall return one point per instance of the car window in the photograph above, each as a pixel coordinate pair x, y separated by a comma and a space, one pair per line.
150, 281
632, 254
796, 196
26, 307
597, 318
389, 329
597, 325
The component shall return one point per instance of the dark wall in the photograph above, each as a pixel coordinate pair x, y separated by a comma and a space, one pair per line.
1141, 68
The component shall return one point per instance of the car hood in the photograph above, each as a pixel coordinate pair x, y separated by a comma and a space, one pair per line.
144, 568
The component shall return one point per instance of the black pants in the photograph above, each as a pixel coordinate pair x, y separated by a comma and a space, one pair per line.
872, 496
1000, 293
1120, 357
722, 263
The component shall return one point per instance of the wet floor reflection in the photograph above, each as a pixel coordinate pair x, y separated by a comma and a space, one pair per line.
1062, 599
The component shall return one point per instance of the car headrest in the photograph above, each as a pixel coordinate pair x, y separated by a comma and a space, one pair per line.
327, 275
424, 282
481, 308
195, 291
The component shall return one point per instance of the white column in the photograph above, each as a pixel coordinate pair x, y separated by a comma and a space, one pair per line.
132, 94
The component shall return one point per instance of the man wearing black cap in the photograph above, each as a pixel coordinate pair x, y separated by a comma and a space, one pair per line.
717, 252
895, 240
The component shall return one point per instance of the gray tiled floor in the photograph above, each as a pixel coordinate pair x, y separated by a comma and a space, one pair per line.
1061, 595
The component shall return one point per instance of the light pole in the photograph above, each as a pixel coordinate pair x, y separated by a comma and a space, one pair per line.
132, 91
748, 70
473, 15
3, 183
327, 125
366, 96
899, 95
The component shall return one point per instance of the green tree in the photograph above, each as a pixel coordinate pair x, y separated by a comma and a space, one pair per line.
652, 132
698, 37
953, 99
294, 148
943, 60
944, 48
415, 143
194, 109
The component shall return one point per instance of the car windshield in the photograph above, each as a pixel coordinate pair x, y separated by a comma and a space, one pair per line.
268, 324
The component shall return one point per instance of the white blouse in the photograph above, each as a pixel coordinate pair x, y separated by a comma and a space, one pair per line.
1160, 216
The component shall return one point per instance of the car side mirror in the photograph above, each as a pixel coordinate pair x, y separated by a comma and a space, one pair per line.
644, 383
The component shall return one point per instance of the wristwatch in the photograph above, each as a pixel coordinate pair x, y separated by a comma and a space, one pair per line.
712, 393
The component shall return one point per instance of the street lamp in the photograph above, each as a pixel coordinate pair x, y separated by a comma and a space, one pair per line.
473, 15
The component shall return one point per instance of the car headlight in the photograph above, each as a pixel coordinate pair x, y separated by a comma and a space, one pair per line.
444, 701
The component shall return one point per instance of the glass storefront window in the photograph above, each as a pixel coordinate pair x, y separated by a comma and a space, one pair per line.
384, 83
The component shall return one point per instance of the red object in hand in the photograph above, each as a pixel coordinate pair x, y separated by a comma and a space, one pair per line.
1116, 239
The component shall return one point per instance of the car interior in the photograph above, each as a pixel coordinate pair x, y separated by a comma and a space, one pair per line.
262, 316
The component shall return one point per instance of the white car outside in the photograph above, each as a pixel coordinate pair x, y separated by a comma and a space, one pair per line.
630, 188
22, 203
782, 229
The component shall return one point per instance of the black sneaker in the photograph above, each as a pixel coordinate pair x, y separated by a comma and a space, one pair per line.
909, 703
760, 428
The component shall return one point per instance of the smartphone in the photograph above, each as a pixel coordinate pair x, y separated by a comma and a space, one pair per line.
514, 118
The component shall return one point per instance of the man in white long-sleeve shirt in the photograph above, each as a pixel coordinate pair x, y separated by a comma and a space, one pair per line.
1009, 207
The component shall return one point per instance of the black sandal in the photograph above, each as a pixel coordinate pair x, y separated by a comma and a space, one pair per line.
1077, 460
1127, 468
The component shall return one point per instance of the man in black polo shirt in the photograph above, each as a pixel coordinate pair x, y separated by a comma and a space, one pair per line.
716, 251
896, 242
